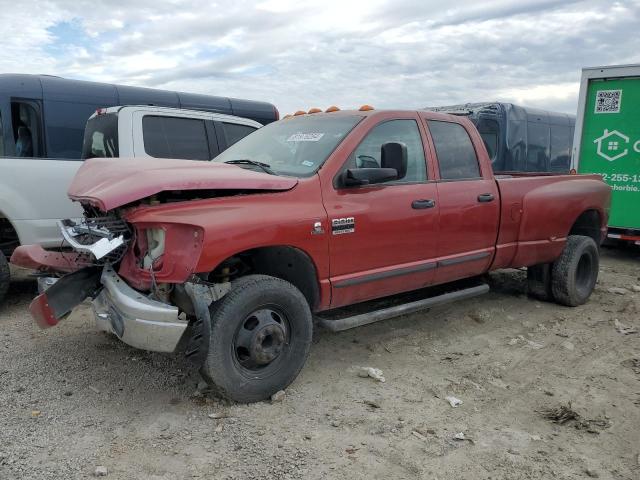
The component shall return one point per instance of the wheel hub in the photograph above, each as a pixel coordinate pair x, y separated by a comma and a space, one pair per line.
260, 339
267, 344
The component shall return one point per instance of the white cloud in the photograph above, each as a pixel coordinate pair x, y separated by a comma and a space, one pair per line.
303, 53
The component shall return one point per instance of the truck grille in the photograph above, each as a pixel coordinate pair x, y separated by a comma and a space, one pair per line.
105, 238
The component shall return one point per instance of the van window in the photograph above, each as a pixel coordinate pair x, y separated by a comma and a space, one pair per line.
25, 120
101, 137
456, 155
537, 147
1, 137
65, 123
234, 132
175, 137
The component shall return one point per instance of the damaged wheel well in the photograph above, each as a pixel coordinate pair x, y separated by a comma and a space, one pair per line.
587, 224
285, 262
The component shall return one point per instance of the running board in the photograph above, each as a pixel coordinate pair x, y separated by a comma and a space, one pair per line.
404, 309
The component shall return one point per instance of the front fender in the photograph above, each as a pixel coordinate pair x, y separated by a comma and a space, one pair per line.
235, 224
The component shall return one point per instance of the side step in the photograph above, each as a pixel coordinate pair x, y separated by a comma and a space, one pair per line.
404, 309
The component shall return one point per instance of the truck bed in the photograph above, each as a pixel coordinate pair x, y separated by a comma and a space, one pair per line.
538, 212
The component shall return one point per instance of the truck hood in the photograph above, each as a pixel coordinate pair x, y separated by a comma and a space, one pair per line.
114, 182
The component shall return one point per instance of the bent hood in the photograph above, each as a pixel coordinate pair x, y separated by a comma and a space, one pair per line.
113, 182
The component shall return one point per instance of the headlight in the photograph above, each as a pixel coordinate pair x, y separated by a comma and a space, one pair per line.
155, 249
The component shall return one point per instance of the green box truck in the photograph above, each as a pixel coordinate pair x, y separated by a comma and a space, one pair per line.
607, 141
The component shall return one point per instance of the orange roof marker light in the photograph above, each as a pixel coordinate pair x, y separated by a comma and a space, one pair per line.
332, 108
315, 110
288, 115
365, 108
299, 112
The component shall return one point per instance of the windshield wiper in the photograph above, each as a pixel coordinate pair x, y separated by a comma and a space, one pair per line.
264, 166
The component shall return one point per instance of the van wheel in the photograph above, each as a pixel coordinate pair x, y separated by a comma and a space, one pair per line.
5, 276
260, 338
575, 272
539, 282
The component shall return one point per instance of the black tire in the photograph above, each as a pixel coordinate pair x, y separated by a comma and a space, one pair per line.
539, 282
575, 272
5, 276
260, 339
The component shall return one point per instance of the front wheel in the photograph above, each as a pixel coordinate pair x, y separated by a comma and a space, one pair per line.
260, 338
575, 272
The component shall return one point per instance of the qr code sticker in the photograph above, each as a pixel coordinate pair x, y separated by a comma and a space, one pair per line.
608, 101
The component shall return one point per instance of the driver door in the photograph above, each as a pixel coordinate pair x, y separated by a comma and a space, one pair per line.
383, 236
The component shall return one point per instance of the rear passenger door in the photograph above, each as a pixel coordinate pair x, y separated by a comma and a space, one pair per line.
469, 204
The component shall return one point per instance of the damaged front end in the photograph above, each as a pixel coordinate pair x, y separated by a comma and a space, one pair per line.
133, 286
95, 242
136, 262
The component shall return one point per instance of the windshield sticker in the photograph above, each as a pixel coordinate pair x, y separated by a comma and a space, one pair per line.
307, 163
305, 137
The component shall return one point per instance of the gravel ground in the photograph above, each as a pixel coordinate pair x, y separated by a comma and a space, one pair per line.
73, 399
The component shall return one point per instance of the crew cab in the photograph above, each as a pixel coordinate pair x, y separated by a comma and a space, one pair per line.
231, 261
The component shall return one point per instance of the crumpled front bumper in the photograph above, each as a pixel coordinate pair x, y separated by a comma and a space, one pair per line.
135, 319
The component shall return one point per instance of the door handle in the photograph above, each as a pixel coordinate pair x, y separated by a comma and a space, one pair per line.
485, 197
421, 204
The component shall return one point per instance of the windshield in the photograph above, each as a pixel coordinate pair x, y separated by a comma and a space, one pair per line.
295, 146
101, 137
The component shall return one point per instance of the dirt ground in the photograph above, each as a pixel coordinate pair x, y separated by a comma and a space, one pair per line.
73, 399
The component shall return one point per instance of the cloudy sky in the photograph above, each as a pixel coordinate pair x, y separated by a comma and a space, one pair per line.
300, 54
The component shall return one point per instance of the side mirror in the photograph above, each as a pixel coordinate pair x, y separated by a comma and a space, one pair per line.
394, 155
368, 176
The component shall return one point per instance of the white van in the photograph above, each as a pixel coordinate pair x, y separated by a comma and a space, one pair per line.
33, 191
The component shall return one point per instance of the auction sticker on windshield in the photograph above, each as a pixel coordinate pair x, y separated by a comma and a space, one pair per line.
305, 137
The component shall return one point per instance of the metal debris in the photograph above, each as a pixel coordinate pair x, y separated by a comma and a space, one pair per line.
453, 401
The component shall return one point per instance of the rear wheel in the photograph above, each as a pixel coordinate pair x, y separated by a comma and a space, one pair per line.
575, 272
539, 282
260, 338
5, 276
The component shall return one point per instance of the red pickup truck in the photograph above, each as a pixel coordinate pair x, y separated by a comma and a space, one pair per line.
232, 260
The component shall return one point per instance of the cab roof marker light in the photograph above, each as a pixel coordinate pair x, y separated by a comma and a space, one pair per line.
332, 108
314, 110
299, 112
365, 108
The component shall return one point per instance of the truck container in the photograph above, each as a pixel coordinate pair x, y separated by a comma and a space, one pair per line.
607, 141
520, 139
